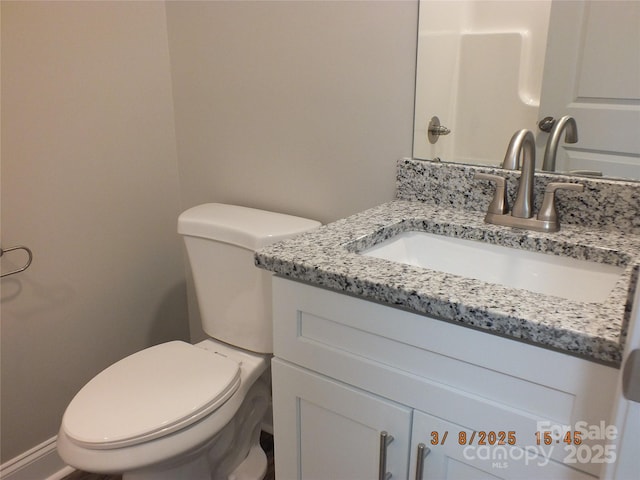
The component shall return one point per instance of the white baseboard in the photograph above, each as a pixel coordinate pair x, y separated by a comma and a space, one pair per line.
40, 463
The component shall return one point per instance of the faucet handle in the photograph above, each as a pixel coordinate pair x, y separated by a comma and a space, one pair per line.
548, 212
499, 204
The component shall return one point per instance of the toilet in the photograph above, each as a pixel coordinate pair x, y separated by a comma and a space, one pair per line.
182, 411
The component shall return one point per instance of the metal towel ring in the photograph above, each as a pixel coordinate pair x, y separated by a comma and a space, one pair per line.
26, 265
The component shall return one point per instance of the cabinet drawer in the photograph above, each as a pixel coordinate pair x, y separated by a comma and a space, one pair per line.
492, 383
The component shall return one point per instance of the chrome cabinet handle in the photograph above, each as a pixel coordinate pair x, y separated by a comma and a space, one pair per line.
385, 440
423, 451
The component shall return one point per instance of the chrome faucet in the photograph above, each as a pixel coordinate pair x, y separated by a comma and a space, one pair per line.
568, 124
523, 144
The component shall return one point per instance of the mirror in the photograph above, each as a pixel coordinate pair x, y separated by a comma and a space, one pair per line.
488, 68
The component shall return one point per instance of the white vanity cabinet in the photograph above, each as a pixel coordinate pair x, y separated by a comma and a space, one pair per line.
346, 370
328, 430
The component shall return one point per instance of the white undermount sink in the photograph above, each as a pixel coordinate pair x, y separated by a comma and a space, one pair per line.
578, 280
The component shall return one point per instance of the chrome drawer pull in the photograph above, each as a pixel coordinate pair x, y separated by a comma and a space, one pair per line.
385, 439
423, 451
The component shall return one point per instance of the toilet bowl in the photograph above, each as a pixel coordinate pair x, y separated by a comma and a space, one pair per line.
102, 430
182, 411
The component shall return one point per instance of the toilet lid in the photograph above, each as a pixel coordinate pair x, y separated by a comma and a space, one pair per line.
150, 394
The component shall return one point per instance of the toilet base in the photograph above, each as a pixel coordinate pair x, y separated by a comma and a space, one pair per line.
233, 454
254, 467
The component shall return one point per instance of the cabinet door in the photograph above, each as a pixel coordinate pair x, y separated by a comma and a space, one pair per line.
324, 429
455, 454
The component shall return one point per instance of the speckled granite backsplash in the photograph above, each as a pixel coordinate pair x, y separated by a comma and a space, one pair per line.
604, 204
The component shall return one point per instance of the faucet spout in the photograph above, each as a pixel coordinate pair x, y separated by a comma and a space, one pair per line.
512, 157
525, 144
568, 124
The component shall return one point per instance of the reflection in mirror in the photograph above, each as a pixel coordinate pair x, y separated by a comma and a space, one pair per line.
488, 68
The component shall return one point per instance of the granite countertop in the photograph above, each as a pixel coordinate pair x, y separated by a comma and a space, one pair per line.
327, 257
601, 224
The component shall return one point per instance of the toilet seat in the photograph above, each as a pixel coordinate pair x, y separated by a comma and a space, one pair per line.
150, 394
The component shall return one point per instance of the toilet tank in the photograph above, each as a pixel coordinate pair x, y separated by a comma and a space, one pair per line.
234, 295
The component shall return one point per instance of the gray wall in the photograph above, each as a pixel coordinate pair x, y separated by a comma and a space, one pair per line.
297, 107
300, 107
90, 183
116, 116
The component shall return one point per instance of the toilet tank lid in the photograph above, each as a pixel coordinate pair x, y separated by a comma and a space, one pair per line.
246, 227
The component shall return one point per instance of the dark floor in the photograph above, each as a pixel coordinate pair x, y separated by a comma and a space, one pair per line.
77, 475
266, 440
